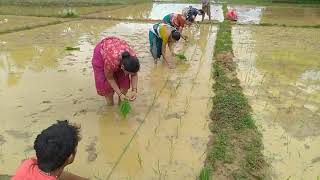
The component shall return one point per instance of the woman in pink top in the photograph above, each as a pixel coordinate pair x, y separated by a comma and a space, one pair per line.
115, 67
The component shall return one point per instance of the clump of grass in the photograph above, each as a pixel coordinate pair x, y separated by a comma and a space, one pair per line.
72, 48
125, 108
181, 56
69, 13
233, 127
206, 173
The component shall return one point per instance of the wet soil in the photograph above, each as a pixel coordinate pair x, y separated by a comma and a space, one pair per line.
278, 70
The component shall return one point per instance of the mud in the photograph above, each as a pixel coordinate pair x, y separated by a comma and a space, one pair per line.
41, 83
53, 10
278, 69
291, 15
9, 22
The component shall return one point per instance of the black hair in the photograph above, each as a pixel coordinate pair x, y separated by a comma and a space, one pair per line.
190, 18
55, 144
130, 63
175, 35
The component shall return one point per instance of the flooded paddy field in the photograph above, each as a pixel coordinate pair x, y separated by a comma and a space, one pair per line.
166, 134
282, 15
156, 11
10, 22
41, 82
279, 70
53, 10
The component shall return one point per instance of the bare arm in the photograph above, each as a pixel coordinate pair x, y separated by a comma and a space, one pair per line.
170, 44
112, 82
164, 52
134, 82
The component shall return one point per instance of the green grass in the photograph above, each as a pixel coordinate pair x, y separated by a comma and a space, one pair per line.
236, 141
72, 48
206, 173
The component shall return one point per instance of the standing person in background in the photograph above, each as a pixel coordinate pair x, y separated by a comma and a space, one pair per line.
56, 148
206, 8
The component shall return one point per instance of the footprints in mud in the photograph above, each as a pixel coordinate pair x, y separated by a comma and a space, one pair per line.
2, 140
18, 134
81, 112
91, 149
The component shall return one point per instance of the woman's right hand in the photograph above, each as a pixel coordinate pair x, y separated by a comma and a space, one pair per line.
123, 97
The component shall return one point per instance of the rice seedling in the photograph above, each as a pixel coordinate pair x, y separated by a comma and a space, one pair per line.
205, 173
69, 13
140, 160
125, 108
68, 48
181, 57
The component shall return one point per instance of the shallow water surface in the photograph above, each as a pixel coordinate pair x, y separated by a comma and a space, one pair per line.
156, 11
248, 14
9, 22
53, 10
164, 137
291, 15
279, 70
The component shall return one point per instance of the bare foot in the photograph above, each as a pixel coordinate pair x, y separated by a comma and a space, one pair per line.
109, 100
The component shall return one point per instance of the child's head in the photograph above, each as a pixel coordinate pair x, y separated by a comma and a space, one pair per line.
56, 146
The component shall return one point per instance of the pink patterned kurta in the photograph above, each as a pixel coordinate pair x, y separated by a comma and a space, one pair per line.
106, 58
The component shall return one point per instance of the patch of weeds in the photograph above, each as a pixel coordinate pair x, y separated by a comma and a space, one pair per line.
233, 127
253, 157
240, 175
72, 48
69, 13
219, 150
247, 121
224, 41
206, 173
229, 107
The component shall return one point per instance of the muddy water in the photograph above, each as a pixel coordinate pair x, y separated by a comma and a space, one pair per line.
8, 22
41, 82
291, 15
279, 70
157, 11
52, 10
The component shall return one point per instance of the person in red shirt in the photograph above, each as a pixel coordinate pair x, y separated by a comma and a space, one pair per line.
56, 148
232, 15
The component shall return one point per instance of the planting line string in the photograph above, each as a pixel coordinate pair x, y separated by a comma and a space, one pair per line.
156, 96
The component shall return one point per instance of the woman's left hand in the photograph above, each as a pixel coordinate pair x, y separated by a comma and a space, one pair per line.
133, 95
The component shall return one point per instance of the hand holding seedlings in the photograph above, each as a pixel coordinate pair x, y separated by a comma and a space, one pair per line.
125, 108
